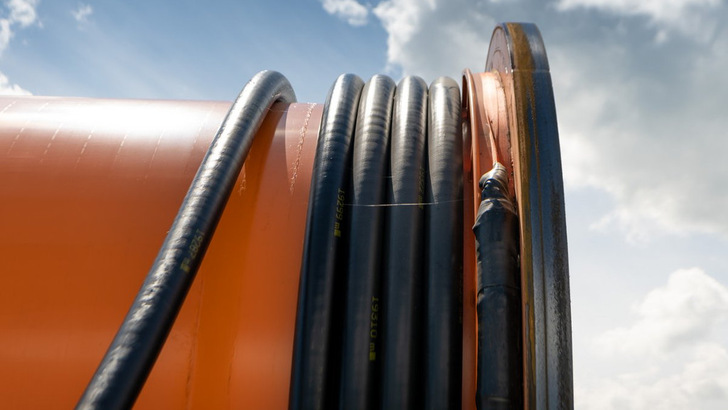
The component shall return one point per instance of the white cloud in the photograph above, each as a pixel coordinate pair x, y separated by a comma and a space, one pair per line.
687, 16
680, 362
644, 123
436, 37
22, 11
6, 88
681, 313
82, 13
19, 13
700, 382
658, 9
5, 34
351, 11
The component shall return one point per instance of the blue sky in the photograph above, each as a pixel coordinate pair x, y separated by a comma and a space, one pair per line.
640, 89
185, 49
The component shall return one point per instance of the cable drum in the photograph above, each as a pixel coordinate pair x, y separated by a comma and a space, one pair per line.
379, 313
380, 320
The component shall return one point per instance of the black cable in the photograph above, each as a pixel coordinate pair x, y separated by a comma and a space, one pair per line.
324, 249
360, 342
403, 276
131, 356
500, 357
444, 249
408, 328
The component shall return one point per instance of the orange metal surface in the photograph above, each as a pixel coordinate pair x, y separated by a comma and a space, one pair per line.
88, 190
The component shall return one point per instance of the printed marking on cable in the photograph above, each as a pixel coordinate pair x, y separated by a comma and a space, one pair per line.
339, 212
373, 325
192, 250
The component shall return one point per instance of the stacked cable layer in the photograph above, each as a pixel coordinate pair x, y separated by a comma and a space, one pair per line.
379, 320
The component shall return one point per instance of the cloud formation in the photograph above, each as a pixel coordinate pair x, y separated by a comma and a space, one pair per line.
18, 14
682, 313
700, 383
673, 345
642, 121
687, 16
350, 11
22, 11
435, 38
82, 13
7, 88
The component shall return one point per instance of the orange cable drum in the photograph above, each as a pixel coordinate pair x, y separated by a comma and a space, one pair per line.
90, 188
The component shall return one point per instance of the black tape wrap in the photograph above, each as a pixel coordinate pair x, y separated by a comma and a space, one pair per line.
499, 371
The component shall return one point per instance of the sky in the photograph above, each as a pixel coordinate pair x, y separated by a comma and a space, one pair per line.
641, 89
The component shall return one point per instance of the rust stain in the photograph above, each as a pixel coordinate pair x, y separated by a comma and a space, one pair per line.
510, 54
523, 107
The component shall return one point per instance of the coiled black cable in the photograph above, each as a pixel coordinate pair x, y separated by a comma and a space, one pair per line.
129, 359
360, 343
324, 250
444, 249
360, 339
403, 274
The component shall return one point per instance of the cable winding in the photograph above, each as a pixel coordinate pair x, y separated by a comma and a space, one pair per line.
312, 386
368, 315
444, 249
360, 339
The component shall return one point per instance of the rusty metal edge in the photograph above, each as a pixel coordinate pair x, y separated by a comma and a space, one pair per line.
518, 54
